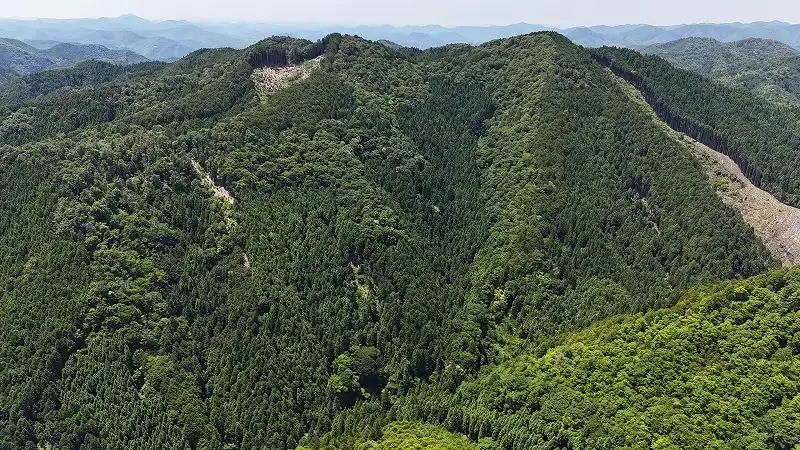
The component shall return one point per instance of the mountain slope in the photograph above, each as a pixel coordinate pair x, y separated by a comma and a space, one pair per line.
19, 89
394, 218
18, 58
758, 135
716, 59
766, 68
775, 223
720, 369
779, 83
74, 53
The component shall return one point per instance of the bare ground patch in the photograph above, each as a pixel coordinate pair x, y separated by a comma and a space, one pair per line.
777, 224
269, 79
205, 177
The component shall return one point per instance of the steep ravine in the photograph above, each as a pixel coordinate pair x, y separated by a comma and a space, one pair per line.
775, 223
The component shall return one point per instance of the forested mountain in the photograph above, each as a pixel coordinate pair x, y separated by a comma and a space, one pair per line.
18, 89
718, 370
767, 68
19, 58
717, 59
344, 244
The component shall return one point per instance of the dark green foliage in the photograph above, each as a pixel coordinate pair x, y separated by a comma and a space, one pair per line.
283, 51
85, 74
185, 97
394, 219
760, 136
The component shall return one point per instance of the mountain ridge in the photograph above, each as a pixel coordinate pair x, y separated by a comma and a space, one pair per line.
429, 236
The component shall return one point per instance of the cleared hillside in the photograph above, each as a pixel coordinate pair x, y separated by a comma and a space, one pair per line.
775, 223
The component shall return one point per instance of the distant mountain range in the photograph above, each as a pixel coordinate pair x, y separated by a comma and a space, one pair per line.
163, 40
19, 58
172, 39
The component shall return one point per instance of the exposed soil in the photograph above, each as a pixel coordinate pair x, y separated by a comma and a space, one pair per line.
777, 224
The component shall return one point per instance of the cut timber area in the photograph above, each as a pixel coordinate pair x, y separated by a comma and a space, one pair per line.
269, 79
775, 223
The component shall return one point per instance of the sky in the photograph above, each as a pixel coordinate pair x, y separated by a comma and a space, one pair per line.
561, 13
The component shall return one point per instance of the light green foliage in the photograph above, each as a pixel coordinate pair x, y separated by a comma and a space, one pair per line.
416, 436
719, 370
410, 435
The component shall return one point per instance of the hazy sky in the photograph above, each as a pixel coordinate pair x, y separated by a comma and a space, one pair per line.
404, 12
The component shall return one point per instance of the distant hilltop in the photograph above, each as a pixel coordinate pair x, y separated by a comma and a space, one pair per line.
171, 39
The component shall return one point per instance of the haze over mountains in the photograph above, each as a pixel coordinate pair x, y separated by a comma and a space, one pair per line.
172, 39
18, 58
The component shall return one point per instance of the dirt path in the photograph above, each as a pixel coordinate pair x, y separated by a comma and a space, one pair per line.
776, 224
220, 192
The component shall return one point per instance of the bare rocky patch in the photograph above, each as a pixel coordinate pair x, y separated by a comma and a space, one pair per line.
205, 177
228, 200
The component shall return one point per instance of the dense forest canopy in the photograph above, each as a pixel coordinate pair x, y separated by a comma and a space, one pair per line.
769, 69
190, 262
